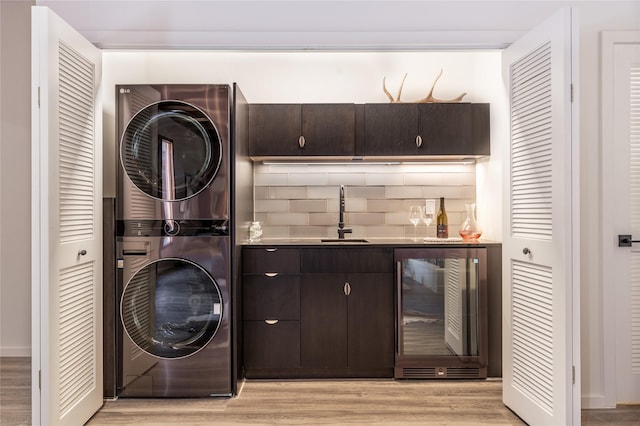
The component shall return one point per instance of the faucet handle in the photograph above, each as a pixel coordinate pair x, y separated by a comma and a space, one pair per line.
342, 231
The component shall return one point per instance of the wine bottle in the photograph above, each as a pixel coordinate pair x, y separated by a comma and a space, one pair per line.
442, 223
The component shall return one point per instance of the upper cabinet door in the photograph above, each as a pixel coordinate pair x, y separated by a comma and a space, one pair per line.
445, 129
391, 129
301, 130
274, 129
328, 129
429, 129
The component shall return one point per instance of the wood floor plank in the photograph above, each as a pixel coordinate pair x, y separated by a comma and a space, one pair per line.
299, 402
330, 402
15, 391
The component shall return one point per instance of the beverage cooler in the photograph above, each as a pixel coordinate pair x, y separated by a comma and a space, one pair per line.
441, 313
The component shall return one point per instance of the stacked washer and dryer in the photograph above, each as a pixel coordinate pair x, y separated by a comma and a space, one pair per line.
173, 245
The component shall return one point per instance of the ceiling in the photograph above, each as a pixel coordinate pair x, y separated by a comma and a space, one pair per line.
302, 24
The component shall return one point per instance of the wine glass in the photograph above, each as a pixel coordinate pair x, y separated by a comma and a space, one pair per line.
415, 216
429, 213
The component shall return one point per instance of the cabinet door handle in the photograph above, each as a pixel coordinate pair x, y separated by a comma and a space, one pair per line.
347, 288
271, 274
271, 249
271, 321
301, 142
418, 141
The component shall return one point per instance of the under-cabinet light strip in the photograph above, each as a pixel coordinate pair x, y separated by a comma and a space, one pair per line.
363, 163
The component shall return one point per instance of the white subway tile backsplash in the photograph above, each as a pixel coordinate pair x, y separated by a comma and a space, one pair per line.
397, 218
268, 206
264, 179
326, 192
301, 201
385, 205
386, 231
323, 219
364, 219
356, 205
384, 179
308, 206
369, 192
309, 179
403, 192
261, 192
270, 231
288, 219
307, 232
287, 192
347, 178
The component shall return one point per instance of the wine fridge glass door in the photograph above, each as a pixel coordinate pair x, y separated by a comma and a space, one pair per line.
441, 307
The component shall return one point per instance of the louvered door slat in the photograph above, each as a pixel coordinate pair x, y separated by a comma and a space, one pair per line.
531, 147
533, 351
76, 153
77, 365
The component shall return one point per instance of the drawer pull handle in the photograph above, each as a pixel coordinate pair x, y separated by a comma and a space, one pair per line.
419, 141
347, 289
271, 250
271, 274
271, 322
301, 142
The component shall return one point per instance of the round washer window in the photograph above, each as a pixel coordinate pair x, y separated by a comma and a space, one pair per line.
171, 308
171, 150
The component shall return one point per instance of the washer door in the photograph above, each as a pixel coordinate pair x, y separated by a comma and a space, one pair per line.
171, 150
171, 308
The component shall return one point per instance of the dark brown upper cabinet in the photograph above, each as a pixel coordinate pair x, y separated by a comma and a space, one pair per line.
429, 129
286, 130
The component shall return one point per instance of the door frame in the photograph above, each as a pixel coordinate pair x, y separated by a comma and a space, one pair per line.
609, 39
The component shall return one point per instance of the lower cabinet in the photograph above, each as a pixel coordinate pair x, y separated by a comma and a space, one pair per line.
271, 344
347, 323
333, 316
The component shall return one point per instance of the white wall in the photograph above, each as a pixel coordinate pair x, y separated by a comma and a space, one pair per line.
15, 179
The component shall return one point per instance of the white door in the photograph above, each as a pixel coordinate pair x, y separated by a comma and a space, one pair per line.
621, 189
541, 244
66, 224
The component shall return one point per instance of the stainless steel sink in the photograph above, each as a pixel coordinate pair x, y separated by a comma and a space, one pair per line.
346, 240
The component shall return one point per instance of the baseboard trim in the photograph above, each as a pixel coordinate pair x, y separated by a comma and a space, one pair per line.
19, 352
590, 402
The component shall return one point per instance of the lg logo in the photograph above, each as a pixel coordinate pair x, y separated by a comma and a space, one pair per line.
123, 91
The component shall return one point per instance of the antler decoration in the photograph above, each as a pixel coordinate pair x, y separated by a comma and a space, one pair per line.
428, 99
384, 89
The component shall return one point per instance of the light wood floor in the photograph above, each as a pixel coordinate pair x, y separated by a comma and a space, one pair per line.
364, 402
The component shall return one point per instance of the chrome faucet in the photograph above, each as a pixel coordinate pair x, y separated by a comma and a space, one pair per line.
341, 229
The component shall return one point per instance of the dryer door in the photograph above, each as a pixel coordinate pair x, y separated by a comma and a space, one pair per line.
171, 150
171, 308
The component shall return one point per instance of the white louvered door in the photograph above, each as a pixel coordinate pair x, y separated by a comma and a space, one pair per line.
66, 224
625, 211
540, 283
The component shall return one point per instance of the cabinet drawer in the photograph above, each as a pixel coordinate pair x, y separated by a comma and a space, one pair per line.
271, 259
267, 297
356, 259
271, 345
